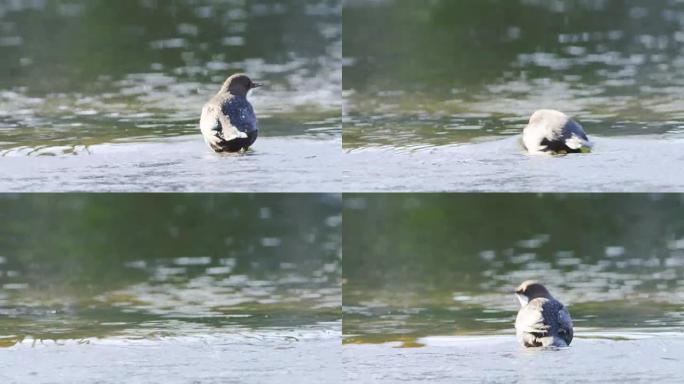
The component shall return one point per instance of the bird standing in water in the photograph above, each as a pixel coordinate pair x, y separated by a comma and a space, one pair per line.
554, 132
228, 121
542, 321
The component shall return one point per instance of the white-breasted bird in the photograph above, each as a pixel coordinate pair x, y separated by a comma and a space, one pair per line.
542, 321
554, 132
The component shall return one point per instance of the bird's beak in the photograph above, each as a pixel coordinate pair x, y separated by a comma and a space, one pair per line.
257, 85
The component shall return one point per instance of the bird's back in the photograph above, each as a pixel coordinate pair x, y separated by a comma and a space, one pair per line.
218, 130
544, 322
240, 113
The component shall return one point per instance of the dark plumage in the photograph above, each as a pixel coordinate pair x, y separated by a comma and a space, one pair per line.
542, 321
228, 121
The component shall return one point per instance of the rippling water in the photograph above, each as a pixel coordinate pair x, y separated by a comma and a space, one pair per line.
255, 288
428, 295
86, 73
274, 357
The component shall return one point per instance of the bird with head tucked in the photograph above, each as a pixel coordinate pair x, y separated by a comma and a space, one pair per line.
554, 132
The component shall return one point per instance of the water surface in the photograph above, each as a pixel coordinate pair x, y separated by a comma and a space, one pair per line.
180, 164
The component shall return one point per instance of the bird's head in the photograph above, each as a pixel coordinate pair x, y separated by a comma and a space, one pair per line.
239, 85
529, 290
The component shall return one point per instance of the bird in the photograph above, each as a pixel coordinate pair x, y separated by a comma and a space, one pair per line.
554, 132
542, 321
228, 121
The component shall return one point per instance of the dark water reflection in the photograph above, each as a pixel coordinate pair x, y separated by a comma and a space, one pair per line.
140, 266
89, 72
421, 265
441, 71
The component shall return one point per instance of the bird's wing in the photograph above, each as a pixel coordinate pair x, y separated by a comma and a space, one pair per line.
214, 123
574, 136
228, 130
